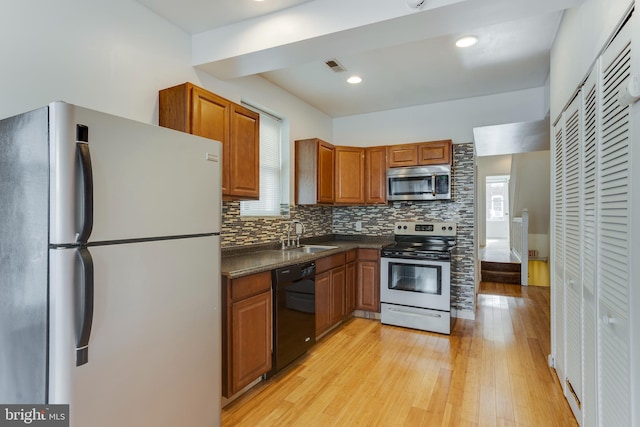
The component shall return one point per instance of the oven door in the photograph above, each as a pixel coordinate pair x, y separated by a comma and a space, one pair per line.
416, 283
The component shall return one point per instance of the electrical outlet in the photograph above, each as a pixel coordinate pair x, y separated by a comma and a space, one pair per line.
358, 225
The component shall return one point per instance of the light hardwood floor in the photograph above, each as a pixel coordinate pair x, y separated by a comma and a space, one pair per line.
489, 372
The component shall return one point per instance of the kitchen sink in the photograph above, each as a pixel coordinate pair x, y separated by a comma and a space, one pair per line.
312, 249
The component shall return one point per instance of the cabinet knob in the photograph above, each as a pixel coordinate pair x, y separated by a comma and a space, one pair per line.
607, 319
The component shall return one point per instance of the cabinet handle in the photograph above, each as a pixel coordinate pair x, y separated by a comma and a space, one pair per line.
437, 316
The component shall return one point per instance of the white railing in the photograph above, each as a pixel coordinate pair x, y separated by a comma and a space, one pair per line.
520, 243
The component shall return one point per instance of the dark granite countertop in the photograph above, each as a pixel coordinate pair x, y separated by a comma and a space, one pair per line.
268, 257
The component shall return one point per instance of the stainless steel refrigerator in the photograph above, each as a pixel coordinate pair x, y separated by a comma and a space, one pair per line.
109, 269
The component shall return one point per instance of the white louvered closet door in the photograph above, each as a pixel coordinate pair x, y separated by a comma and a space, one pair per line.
589, 215
557, 254
573, 253
614, 369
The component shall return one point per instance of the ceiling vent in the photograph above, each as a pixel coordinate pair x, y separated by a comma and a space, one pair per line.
335, 65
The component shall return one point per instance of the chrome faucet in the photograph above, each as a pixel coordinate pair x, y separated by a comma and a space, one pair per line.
289, 242
295, 223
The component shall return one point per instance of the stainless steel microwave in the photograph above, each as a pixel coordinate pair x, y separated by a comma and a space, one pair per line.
419, 183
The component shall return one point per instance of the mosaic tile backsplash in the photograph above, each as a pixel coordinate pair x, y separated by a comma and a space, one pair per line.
378, 221
253, 231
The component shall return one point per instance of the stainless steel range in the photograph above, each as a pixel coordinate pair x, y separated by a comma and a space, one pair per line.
415, 276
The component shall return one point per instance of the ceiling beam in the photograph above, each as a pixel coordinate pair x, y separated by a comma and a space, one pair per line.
325, 29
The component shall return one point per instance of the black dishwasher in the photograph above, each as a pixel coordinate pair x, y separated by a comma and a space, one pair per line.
294, 313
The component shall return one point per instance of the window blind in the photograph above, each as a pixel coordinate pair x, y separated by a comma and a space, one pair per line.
270, 168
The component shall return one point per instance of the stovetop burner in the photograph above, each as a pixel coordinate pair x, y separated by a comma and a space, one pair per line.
431, 241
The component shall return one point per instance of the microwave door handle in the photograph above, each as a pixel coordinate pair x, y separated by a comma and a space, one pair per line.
433, 185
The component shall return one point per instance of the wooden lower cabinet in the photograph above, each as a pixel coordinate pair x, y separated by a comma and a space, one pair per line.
330, 299
246, 331
368, 292
351, 272
323, 302
337, 309
330, 292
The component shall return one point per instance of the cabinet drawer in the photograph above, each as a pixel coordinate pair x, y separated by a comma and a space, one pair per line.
327, 263
369, 254
246, 286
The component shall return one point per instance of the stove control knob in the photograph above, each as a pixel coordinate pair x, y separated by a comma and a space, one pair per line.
405, 227
399, 227
444, 228
450, 228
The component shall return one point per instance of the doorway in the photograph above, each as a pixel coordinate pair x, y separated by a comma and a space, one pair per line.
497, 210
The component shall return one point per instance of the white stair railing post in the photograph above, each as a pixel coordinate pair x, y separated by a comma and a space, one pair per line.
524, 259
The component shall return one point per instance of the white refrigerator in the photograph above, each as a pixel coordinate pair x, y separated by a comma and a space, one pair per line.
109, 269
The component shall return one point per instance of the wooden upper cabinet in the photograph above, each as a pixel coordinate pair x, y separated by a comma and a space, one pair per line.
402, 155
314, 172
420, 154
244, 153
434, 152
192, 109
375, 175
326, 167
349, 183
210, 118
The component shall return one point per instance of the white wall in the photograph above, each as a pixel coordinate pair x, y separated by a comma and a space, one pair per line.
582, 35
114, 56
532, 179
444, 120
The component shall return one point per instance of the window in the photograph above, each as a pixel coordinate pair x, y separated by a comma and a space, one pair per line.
274, 176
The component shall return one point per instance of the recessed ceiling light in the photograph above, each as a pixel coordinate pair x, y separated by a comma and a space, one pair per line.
354, 80
467, 41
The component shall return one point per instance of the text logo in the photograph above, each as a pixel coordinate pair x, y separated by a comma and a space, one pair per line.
34, 415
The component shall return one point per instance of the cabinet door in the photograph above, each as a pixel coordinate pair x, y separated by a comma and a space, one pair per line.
210, 115
402, 155
338, 295
434, 153
349, 183
325, 157
251, 342
351, 277
323, 302
375, 175
244, 153
368, 295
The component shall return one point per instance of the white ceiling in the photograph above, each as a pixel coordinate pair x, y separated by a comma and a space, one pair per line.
405, 56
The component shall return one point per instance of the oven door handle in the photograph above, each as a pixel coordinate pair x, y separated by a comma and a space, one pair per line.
395, 310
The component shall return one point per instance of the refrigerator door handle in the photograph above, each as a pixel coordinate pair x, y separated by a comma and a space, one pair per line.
86, 170
86, 292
